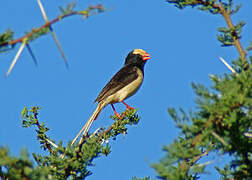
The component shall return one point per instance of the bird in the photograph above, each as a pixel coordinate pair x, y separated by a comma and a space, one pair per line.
121, 86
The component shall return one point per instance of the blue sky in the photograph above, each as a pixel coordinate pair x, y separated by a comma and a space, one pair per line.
183, 50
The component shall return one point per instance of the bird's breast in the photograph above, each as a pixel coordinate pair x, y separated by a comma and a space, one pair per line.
128, 90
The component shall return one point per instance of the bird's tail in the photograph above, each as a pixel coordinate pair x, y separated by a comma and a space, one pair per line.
88, 124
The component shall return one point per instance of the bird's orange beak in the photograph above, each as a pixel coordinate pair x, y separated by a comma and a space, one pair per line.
146, 56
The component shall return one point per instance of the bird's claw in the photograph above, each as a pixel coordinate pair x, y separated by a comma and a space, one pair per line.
117, 114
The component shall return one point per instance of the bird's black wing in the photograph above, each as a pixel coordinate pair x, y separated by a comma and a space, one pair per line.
121, 79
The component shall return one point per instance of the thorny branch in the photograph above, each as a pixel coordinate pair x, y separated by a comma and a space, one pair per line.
84, 13
45, 29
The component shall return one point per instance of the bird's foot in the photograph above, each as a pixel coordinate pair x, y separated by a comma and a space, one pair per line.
117, 114
127, 106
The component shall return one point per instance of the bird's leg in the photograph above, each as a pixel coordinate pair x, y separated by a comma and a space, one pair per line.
116, 113
128, 107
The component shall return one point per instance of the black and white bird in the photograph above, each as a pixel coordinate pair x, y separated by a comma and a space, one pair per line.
122, 85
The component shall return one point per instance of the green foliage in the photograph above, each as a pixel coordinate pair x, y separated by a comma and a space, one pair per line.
222, 121
207, 5
62, 162
119, 126
227, 34
19, 167
226, 172
30, 118
4, 38
222, 118
144, 178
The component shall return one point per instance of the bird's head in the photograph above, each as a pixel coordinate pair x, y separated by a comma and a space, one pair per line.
138, 57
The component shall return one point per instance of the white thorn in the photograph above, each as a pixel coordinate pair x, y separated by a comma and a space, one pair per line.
50, 142
228, 66
205, 163
247, 134
42, 11
53, 33
16, 58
